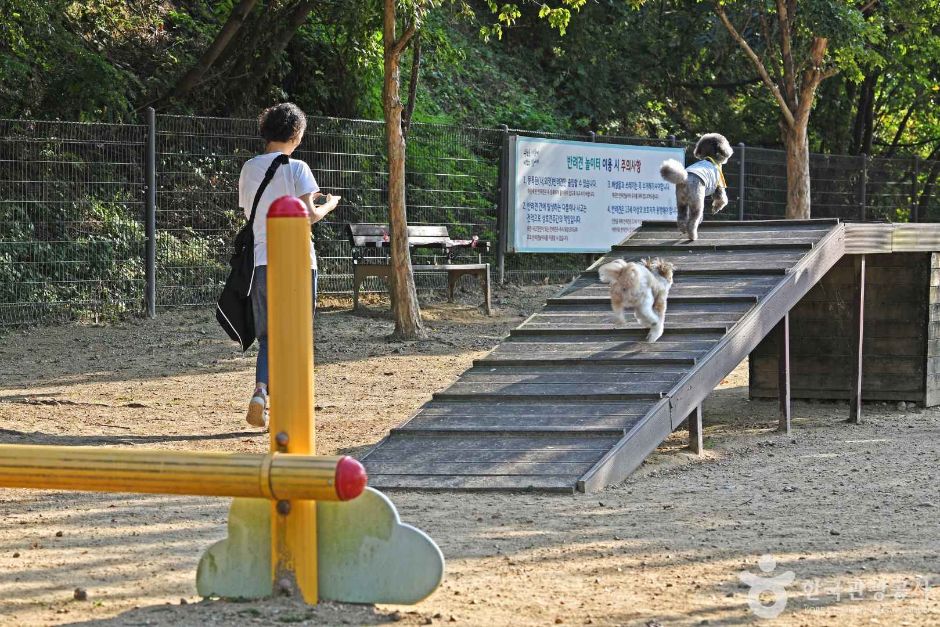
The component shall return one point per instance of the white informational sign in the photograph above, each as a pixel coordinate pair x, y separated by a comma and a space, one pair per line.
583, 197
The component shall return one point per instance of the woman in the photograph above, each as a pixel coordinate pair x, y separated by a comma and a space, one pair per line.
282, 127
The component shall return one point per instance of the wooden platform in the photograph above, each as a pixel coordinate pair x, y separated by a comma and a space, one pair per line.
570, 401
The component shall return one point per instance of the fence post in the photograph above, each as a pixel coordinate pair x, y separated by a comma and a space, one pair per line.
150, 214
593, 136
915, 208
502, 207
672, 141
862, 188
741, 183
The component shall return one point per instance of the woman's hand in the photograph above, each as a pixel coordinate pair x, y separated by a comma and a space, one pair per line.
331, 203
318, 212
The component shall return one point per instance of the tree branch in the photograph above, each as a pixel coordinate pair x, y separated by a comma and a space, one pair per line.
813, 76
789, 70
902, 126
402, 42
234, 22
765, 29
784, 108
720, 85
297, 17
412, 87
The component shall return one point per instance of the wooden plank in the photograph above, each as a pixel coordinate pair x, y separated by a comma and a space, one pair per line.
916, 237
862, 238
423, 460
525, 410
603, 298
683, 343
810, 345
596, 394
532, 431
514, 424
505, 469
647, 248
800, 382
665, 243
855, 404
731, 258
783, 373
822, 223
630, 330
932, 346
681, 307
519, 483
597, 370
768, 267
561, 359
694, 420
416, 444
678, 317
841, 394
711, 285
564, 376
645, 355
739, 230
822, 367
687, 261
624, 390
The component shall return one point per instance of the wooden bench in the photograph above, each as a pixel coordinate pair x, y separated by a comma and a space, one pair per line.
373, 239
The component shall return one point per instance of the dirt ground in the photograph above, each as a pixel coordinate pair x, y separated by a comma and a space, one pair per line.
851, 511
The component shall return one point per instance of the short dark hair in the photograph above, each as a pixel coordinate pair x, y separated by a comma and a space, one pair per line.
282, 122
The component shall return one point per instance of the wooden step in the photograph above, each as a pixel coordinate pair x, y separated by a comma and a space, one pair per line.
613, 331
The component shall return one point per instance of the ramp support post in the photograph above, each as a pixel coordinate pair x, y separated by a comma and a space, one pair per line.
858, 323
694, 421
783, 373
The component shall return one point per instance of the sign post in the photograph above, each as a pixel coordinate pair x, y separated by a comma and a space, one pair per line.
583, 197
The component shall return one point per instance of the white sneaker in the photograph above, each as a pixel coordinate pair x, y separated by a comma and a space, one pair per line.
258, 410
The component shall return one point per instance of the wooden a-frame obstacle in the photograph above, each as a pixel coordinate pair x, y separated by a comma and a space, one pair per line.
300, 523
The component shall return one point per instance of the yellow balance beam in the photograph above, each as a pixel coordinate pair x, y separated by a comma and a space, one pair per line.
92, 469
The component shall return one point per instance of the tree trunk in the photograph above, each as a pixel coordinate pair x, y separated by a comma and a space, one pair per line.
219, 44
798, 186
405, 308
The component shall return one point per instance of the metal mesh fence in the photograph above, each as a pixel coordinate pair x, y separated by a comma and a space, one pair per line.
71, 220
452, 179
72, 203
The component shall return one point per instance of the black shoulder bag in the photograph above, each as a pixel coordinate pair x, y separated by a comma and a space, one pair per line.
233, 310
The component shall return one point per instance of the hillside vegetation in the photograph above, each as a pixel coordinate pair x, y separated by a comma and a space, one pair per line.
664, 67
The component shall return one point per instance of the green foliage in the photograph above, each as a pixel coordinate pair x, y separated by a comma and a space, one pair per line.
75, 60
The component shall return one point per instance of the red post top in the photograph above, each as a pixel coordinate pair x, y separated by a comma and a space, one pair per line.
350, 478
288, 207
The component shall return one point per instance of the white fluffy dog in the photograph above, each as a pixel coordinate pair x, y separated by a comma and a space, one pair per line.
707, 180
643, 286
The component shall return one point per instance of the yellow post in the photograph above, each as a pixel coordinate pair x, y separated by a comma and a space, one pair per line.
153, 471
290, 350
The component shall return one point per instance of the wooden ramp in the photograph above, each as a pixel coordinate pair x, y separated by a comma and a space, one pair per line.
570, 401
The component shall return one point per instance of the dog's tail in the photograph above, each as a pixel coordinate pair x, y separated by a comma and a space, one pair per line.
611, 272
663, 268
673, 171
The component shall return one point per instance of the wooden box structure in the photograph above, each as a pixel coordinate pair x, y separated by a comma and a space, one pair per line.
901, 328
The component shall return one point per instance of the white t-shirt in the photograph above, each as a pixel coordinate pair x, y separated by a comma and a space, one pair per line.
291, 179
708, 172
